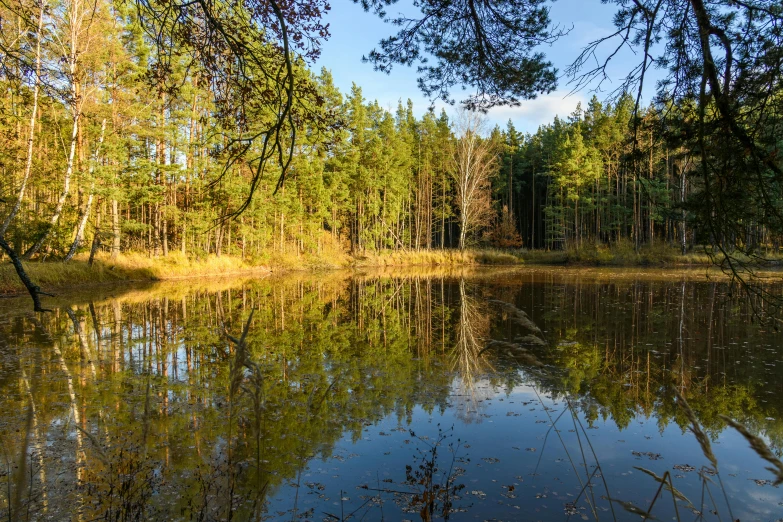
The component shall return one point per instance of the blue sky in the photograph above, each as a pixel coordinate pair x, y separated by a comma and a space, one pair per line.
355, 33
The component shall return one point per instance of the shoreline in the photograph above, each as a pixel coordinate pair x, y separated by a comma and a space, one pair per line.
127, 269
135, 268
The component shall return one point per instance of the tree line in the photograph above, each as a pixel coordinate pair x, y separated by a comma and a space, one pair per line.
601, 176
102, 149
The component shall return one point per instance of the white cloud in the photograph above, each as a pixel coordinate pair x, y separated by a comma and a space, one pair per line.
533, 113
527, 117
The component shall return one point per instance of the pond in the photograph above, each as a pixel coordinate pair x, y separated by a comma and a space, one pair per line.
497, 394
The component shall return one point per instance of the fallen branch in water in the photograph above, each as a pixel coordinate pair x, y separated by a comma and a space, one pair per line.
35, 290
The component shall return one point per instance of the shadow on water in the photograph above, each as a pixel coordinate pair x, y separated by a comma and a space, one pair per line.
488, 394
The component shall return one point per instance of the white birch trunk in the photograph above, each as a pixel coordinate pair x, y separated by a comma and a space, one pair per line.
88, 207
31, 136
76, 16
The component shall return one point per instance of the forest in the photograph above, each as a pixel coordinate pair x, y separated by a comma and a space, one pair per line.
143, 140
106, 147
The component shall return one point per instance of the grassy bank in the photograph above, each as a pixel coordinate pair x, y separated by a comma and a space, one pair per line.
126, 268
615, 255
624, 254
55, 275
620, 254
136, 267
436, 258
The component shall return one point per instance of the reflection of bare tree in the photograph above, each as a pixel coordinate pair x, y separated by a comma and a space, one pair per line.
86, 352
680, 340
30, 387
467, 358
75, 413
74, 402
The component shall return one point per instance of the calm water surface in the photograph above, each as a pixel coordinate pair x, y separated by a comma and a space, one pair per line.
491, 395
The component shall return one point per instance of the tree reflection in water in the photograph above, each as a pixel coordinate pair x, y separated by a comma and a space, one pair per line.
468, 359
121, 405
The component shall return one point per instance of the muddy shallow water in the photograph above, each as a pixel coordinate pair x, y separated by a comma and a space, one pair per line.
527, 394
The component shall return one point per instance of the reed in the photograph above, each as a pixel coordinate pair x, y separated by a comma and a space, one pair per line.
761, 449
134, 267
695, 427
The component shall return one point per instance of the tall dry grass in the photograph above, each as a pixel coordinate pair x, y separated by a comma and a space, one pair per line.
128, 267
436, 257
623, 253
141, 267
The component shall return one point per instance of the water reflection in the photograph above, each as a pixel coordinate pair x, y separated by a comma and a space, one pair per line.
138, 405
467, 358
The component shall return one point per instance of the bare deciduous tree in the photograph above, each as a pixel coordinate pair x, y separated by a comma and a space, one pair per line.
475, 162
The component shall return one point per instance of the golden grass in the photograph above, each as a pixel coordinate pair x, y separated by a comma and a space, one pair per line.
436, 258
177, 265
138, 267
327, 253
126, 268
326, 260
624, 254
616, 254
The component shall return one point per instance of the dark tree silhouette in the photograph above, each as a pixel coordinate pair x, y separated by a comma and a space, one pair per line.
486, 45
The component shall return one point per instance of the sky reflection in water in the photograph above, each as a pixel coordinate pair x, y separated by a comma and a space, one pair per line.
536, 380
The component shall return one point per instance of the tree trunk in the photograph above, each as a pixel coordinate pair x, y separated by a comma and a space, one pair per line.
115, 230
83, 221
533, 214
96, 244
183, 239
31, 136
683, 244
63, 195
165, 233
462, 227
76, 111
32, 288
